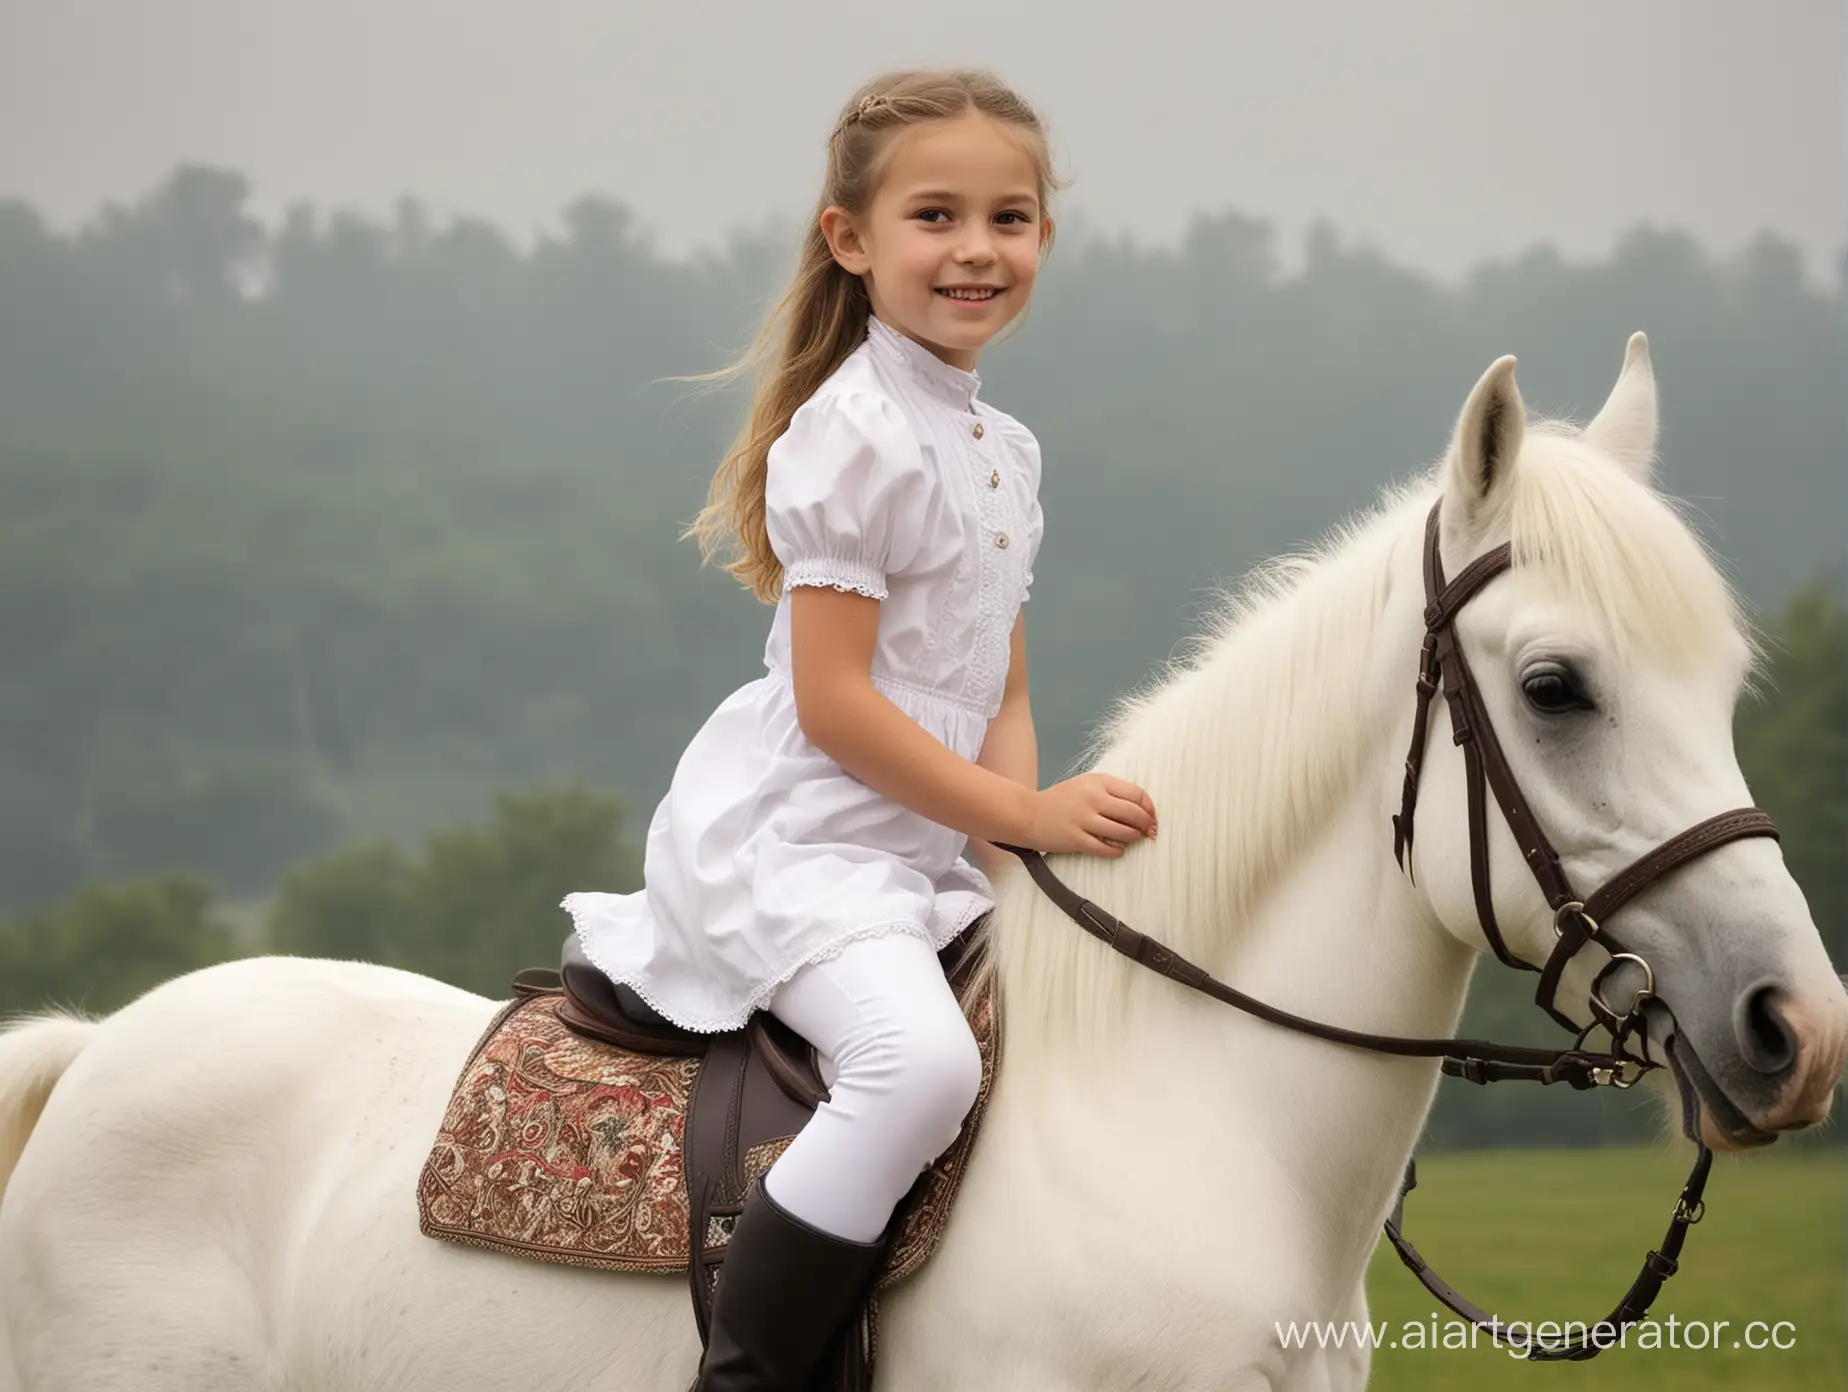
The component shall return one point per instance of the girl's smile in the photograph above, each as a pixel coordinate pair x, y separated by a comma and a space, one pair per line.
970, 303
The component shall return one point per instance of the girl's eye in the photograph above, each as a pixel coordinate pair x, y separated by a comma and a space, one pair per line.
932, 214
1011, 219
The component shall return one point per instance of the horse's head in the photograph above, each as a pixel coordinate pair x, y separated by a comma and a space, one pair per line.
1610, 658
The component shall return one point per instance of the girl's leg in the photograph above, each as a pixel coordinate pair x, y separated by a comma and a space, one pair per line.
906, 1073
806, 1247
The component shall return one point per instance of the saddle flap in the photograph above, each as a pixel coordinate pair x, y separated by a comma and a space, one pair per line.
599, 1009
596, 1007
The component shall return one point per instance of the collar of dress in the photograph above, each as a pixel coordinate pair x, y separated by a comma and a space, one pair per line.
949, 384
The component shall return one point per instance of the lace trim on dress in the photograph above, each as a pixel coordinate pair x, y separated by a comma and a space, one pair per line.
763, 991
824, 572
995, 584
939, 695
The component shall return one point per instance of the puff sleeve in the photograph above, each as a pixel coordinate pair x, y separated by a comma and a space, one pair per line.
846, 494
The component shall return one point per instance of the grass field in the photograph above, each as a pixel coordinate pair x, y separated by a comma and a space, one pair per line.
1535, 1235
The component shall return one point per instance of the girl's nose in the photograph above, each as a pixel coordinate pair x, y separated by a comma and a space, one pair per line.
977, 249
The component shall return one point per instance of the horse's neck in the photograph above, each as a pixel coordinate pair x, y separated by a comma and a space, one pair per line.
1273, 766
1253, 756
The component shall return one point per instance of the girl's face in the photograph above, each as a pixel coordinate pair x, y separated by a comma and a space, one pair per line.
950, 245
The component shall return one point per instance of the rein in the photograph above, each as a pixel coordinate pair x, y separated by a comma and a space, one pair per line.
1577, 922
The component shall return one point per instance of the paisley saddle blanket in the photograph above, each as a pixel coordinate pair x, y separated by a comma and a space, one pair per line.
562, 1148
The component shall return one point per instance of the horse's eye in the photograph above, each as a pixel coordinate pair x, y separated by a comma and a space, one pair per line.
1554, 690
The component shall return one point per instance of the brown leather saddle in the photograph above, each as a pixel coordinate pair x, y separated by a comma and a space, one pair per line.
757, 1087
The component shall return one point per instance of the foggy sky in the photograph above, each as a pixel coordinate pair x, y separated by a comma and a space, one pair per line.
1440, 131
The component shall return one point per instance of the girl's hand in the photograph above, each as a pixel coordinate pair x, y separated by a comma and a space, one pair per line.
1094, 813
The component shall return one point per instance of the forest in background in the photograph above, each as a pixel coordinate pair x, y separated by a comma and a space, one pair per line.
316, 539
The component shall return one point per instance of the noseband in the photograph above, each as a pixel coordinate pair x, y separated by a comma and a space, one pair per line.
1578, 920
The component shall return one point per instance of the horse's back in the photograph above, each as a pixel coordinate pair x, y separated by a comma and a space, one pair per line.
152, 1235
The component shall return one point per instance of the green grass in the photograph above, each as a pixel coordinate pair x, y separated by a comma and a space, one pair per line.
1535, 1235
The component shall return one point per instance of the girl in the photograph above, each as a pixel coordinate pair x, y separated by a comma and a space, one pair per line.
806, 859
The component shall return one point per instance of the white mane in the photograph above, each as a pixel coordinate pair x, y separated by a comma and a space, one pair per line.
1256, 736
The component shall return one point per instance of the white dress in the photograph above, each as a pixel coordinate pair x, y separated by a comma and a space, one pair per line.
892, 481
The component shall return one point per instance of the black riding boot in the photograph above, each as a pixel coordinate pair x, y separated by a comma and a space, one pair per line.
784, 1292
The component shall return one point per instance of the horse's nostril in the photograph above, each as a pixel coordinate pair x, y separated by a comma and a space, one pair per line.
1766, 1040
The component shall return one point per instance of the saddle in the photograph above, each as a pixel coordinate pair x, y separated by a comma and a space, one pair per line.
587, 1130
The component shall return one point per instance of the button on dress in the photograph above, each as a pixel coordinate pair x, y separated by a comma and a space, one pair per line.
893, 481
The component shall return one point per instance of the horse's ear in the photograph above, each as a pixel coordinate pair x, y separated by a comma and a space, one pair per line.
1626, 428
1479, 471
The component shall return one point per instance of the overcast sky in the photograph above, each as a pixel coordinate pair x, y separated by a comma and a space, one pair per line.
1441, 131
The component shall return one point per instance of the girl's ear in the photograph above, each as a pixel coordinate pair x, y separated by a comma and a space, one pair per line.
842, 234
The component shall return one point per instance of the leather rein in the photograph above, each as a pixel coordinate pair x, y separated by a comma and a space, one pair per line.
1577, 922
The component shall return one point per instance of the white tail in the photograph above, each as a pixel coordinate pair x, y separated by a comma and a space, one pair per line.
34, 1052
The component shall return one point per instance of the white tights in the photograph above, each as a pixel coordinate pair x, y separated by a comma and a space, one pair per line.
903, 1070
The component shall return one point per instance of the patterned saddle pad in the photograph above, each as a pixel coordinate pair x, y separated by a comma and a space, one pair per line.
569, 1150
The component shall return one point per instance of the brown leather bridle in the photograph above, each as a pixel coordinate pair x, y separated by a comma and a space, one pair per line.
1578, 920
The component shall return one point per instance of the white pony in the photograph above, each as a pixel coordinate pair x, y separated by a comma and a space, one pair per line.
214, 1187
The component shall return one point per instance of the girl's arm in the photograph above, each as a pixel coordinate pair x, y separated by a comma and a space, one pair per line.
833, 634
1011, 748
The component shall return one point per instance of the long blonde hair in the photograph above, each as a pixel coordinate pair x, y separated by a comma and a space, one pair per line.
822, 317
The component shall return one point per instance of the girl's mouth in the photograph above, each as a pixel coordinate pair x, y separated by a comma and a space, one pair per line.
972, 293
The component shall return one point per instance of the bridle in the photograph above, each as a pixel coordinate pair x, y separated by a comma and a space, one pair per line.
1578, 920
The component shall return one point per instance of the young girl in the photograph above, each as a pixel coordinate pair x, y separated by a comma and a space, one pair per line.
807, 859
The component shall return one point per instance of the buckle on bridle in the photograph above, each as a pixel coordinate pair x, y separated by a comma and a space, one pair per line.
1575, 907
1643, 993
1427, 666
1626, 1075
1621, 1023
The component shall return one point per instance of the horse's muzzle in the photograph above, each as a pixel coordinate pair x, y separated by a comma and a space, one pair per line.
1800, 1041
1790, 1053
